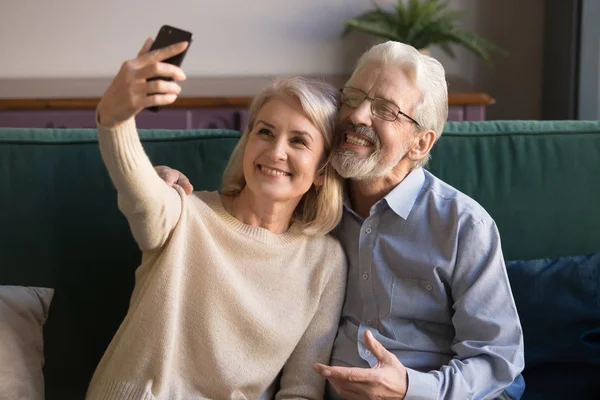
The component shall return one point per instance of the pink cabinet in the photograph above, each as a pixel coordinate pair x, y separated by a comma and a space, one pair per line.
175, 118
466, 112
216, 118
209, 102
47, 118
164, 119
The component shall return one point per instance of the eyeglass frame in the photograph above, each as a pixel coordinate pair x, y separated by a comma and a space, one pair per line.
372, 100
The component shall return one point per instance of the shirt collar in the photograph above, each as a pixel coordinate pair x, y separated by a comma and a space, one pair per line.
403, 197
347, 204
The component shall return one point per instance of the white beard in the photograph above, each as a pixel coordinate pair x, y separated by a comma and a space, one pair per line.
348, 165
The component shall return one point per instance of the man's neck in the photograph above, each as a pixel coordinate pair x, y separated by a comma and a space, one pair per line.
365, 193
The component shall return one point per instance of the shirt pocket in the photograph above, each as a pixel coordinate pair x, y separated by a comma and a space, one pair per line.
420, 316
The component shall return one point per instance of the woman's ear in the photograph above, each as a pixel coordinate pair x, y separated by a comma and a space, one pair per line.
320, 179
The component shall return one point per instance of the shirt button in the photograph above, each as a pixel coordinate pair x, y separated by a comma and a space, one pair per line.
368, 230
429, 287
365, 276
367, 353
369, 322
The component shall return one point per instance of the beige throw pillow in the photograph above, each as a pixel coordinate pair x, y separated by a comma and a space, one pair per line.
23, 312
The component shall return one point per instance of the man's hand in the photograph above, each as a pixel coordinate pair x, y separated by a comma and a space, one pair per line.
388, 379
172, 176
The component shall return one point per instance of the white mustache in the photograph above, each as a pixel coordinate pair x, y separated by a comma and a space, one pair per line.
365, 131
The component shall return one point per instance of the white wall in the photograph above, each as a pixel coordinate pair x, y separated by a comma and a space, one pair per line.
64, 38
82, 38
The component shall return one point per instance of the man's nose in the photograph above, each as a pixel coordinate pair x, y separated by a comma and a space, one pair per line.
361, 115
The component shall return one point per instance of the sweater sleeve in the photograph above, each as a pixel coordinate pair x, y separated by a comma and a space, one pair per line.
151, 207
298, 379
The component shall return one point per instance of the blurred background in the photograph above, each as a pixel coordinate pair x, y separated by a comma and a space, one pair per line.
537, 79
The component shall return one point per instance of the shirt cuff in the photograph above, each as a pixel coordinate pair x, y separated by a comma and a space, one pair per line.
421, 386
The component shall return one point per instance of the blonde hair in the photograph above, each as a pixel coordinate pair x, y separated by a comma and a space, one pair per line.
426, 73
320, 209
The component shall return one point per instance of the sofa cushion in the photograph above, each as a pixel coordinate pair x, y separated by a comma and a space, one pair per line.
23, 312
558, 300
562, 381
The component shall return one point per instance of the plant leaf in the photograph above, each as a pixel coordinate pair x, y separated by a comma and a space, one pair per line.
422, 23
373, 28
375, 17
448, 50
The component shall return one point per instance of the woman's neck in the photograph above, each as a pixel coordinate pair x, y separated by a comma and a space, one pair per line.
274, 216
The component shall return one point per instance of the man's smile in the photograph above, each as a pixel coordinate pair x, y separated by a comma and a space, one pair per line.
357, 140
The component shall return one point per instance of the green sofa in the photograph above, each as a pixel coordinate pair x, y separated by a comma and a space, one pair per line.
539, 180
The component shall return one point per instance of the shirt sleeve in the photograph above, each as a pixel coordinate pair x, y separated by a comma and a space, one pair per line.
298, 379
488, 345
151, 207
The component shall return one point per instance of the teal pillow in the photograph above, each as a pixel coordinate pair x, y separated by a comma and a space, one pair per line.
558, 300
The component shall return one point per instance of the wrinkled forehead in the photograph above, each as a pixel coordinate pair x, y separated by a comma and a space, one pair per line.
387, 81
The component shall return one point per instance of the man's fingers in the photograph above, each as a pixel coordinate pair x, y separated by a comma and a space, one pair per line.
167, 174
172, 177
344, 373
146, 47
319, 368
185, 184
382, 355
345, 389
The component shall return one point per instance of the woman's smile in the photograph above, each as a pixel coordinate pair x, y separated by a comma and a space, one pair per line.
272, 172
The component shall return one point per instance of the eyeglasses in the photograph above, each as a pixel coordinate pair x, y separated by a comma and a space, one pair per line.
381, 108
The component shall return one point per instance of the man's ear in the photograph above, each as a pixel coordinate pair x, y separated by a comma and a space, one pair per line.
422, 145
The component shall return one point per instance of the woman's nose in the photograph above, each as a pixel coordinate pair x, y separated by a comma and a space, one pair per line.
279, 150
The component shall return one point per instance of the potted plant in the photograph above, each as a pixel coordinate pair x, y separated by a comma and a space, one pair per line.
422, 24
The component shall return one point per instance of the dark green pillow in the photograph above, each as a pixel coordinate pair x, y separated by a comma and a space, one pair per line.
558, 300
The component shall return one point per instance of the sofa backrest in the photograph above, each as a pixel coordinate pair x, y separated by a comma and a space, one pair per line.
61, 227
539, 180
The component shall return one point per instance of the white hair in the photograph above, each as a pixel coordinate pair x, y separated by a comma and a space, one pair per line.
425, 72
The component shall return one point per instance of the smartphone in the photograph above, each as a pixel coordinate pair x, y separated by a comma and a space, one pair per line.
168, 35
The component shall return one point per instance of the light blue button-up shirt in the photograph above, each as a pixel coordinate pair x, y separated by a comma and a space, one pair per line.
427, 277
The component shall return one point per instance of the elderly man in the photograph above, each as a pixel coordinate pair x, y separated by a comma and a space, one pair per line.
429, 312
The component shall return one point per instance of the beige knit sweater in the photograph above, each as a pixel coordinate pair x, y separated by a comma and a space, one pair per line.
219, 307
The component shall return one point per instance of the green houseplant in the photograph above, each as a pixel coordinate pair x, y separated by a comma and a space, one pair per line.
422, 24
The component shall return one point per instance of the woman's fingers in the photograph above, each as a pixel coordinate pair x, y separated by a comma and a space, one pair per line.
146, 47
146, 94
161, 69
161, 86
164, 53
158, 99
143, 93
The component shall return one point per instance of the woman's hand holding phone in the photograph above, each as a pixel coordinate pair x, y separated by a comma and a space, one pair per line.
131, 91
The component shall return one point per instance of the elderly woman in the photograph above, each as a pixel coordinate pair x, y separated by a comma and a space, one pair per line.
239, 292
